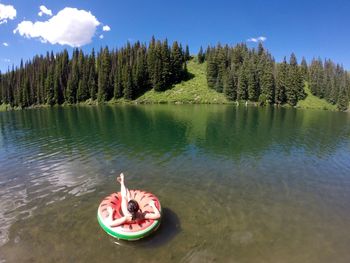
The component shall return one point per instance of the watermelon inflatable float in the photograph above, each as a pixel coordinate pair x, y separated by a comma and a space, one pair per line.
128, 231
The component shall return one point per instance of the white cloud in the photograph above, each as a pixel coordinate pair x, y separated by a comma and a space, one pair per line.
6, 60
5, 44
44, 10
106, 28
7, 12
70, 26
101, 36
258, 39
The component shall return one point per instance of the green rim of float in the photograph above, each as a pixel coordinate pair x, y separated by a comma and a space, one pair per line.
130, 237
120, 232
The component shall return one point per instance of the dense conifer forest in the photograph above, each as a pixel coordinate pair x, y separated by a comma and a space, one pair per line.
252, 74
239, 72
127, 72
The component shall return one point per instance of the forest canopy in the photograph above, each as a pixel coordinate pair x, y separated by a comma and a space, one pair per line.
127, 72
241, 73
252, 74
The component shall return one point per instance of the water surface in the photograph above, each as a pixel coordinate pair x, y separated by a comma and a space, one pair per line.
236, 184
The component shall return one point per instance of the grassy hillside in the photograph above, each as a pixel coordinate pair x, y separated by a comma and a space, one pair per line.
194, 90
5, 107
313, 102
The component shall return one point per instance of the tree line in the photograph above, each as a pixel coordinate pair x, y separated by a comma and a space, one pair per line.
252, 74
241, 73
127, 73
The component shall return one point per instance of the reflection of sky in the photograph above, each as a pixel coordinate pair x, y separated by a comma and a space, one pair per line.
29, 178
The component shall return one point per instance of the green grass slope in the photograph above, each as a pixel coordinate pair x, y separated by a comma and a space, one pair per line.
5, 107
195, 90
313, 102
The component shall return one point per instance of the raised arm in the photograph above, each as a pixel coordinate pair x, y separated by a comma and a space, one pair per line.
155, 215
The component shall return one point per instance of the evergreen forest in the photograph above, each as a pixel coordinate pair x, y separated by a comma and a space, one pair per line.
239, 72
252, 74
120, 73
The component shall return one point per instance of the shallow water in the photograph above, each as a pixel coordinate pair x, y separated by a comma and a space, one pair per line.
236, 184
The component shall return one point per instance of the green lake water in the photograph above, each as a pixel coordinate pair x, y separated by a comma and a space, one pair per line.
236, 184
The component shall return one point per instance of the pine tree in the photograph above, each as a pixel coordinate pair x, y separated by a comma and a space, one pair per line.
157, 80
304, 70
230, 87
49, 86
166, 72
176, 63
57, 85
118, 81
252, 77
26, 93
267, 82
281, 82
200, 55
242, 88
221, 61
187, 53
129, 92
343, 99
316, 75
103, 76
141, 81
83, 89
64, 71
212, 69
92, 87
151, 60
73, 79
294, 85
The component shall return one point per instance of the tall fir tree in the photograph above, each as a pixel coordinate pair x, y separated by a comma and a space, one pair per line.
267, 82
304, 70
103, 76
49, 86
252, 80
294, 85
176, 62
57, 94
73, 79
200, 56
343, 99
316, 75
230, 87
187, 53
118, 78
129, 91
166, 73
212, 69
281, 82
92, 87
242, 88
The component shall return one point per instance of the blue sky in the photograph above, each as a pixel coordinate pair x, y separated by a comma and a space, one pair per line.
308, 28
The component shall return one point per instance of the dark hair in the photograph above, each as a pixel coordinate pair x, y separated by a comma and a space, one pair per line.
133, 207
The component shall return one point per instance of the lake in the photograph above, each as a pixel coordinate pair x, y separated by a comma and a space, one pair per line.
236, 184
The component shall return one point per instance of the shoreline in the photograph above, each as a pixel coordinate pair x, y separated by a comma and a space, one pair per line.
6, 107
193, 91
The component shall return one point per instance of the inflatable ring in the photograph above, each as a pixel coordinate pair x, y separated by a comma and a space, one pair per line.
128, 231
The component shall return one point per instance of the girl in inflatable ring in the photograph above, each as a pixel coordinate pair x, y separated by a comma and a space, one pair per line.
130, 208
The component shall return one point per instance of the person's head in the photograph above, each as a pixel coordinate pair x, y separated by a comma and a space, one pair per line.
133, 207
